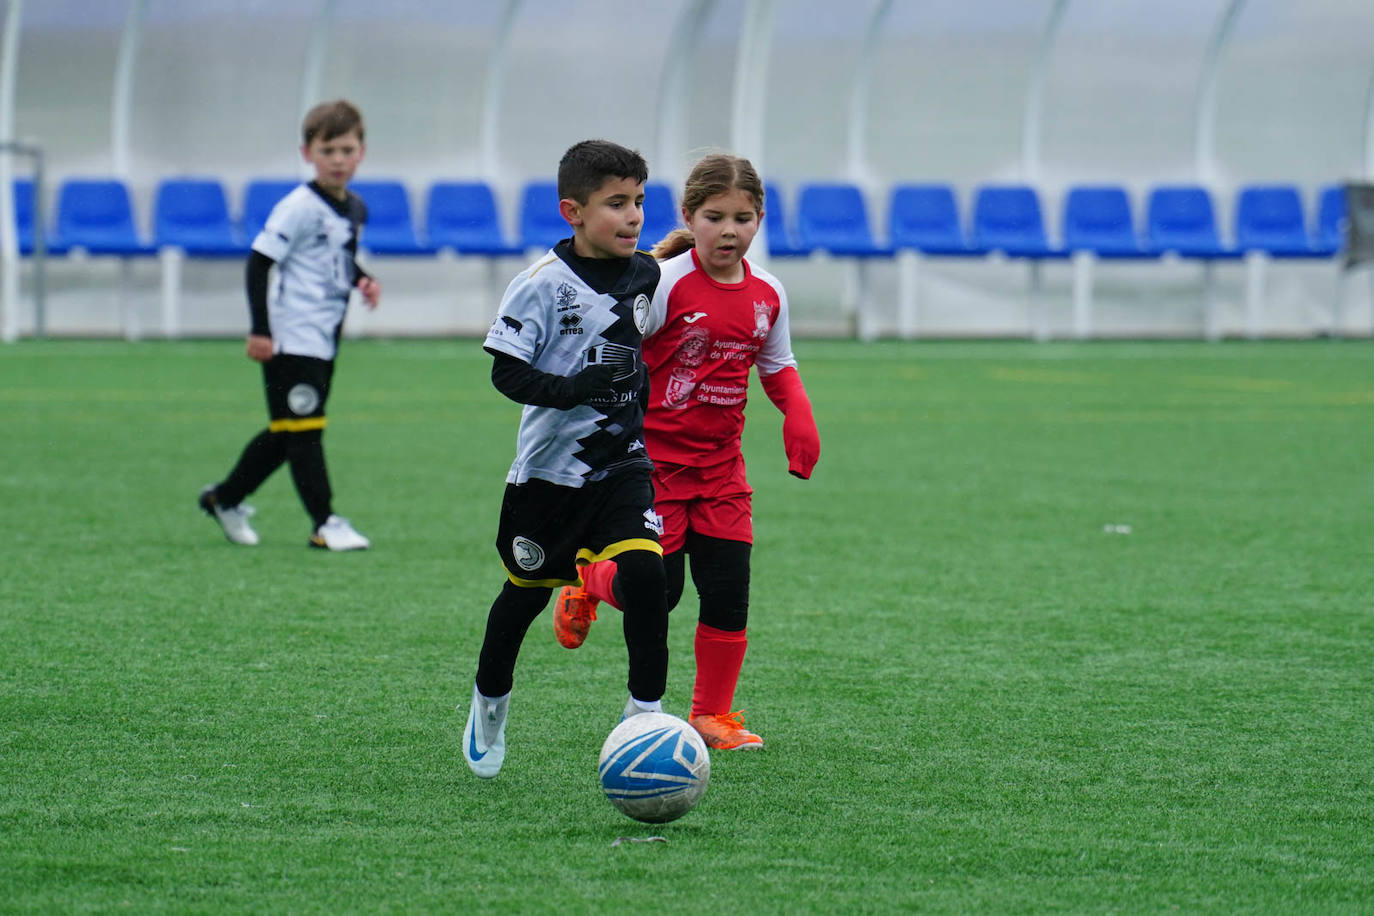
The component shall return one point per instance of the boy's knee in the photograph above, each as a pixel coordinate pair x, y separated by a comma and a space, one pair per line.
301, 440
640, 570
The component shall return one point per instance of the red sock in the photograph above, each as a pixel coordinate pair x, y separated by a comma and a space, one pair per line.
596, 581
720, 655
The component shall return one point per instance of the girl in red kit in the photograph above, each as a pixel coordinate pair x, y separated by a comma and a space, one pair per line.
713, 316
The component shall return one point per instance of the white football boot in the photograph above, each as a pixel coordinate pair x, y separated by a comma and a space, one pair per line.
484, 739
233, 520
634, 707
337, 534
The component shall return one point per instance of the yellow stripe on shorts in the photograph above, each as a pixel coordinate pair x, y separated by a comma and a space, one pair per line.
296, 426
585, 556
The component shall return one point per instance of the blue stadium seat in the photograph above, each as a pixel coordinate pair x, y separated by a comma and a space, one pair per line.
782, 242
1269, 218
1007, 218
462, 216
832, 217
1180, 219
95, 214
259, 197
1098, 219
389, 229
925, 218
1331, 220
192, 214
660, 214
23, 214
541, 225
23, 220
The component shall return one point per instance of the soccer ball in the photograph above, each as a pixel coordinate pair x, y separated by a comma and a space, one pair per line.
654, 767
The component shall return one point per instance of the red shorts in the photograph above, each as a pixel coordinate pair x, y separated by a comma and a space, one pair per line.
714, 501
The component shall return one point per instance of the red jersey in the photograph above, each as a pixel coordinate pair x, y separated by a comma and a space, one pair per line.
700, 341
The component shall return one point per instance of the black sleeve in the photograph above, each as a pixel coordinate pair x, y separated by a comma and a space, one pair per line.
521, 382
259, 266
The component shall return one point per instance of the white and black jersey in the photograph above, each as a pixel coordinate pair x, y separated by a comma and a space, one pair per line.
560, 315
313, 238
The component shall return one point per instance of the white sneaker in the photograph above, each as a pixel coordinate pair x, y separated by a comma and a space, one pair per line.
337, 534
234, 519
633, 708
484, 739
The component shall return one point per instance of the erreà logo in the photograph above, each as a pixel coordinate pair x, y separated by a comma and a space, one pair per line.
572, 323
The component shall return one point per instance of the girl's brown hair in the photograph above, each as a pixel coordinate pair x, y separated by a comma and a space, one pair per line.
712, 175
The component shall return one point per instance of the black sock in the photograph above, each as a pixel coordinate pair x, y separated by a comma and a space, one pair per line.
263, 454
641, 580
305, 452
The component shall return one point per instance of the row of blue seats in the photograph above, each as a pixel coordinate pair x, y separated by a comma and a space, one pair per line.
1180, 219
193, 214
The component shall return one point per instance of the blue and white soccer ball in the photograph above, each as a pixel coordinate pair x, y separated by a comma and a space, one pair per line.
654, 767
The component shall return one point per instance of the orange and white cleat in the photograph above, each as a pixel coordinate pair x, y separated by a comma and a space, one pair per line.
573, 613
726, 732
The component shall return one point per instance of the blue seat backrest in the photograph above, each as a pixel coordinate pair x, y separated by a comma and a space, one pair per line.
776, 223
97, 214
541, 225
259, 197
389, 222
192, 213
1270, 218
462, 215
1098, 218
1008, 217
23, 212
833, 216
1331, 218
660, 214
1181, 218
925, 217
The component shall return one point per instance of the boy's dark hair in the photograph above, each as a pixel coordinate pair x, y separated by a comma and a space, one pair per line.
328, 120
586, 166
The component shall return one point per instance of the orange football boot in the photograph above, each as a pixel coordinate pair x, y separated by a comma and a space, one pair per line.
726, 732
573, 614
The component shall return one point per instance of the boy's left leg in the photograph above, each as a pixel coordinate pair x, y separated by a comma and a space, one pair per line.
619, 522
640, 574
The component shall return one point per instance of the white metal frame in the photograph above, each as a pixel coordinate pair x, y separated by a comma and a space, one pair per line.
1033, 114
9, 243
674, 90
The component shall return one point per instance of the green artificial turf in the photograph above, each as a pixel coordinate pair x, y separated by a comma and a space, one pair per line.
1070, 628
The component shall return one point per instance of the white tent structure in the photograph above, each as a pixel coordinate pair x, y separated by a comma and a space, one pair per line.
1049, 93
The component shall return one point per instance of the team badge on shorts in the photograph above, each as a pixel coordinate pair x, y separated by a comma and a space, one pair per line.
641, 312
303, 399
528, 555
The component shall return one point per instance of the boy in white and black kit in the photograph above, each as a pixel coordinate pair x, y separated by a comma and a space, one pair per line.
312, 238
566, 344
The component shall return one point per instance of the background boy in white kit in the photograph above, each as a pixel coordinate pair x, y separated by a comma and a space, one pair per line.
312, 238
